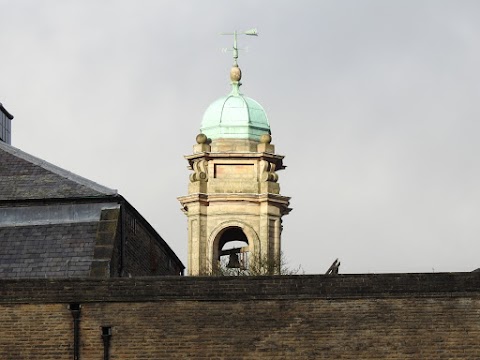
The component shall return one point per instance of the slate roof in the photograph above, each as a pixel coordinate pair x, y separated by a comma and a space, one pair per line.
23, 177
46, 240
67, 236
50, 250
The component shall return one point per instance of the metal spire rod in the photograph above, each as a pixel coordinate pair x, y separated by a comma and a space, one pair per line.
251, 32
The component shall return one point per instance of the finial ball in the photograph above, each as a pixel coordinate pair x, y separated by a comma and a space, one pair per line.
266, 139
201, 139
235, 73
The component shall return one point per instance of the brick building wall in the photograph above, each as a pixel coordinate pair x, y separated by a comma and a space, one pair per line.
398, 316
146, 253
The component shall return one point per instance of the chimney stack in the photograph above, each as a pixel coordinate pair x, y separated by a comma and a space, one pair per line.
5, 125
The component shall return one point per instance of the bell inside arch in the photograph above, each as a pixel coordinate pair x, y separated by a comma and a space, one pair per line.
234, 261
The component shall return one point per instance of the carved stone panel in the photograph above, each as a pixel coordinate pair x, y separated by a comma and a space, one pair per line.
234, 171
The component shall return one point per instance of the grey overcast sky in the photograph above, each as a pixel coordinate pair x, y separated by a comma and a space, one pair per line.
375, 105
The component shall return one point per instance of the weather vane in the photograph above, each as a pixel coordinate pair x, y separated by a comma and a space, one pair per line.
252, 32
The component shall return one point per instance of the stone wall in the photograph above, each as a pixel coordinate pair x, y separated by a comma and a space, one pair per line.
127, 246
394, 316
146, 253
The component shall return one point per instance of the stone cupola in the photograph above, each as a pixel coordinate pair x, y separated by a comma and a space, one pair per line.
234, 207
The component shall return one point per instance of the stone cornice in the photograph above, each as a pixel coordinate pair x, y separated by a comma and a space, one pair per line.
206, 199
277, 159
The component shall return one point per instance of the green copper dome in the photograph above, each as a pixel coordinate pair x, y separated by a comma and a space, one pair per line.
235, 116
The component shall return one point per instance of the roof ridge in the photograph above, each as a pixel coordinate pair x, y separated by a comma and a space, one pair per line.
57, 170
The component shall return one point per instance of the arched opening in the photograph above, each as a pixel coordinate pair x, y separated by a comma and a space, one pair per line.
233, 249
229, 234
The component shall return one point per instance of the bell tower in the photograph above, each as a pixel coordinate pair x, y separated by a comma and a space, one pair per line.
234, 195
